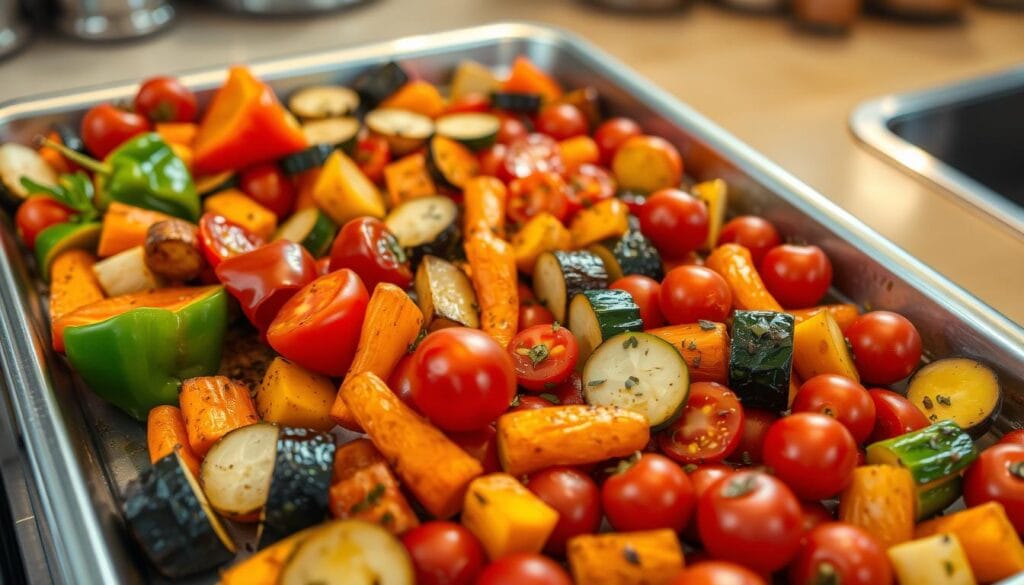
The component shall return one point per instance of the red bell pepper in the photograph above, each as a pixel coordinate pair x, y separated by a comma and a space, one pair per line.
266, 278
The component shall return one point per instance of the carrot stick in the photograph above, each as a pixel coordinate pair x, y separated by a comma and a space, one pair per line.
651, 557
72, 286
484, 200
704, 346
494, 279
364, 488
844, 314
124, 227
736, 266
434, 468
213, 406
165, 432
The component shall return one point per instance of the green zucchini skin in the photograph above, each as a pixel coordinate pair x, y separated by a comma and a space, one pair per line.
311, 158
377, 84
930, 454
761, 358
616, 311
582, 271
527, 103
169, 523
633, 253
933, 499
299, 485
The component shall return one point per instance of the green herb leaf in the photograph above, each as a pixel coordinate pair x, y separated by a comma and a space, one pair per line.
631, 381
593, 383
630, 342
73, 190
550, 398
371, 499
538, 354
705, 325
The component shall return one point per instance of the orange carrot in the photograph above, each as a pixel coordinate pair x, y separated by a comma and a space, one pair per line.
736, 266
72, 286
181, 133
526, 77
408, 178
484, 200
704, 347
844, 314
417, 96
165, 432
213, 406
124, 227
364, 488
494, 279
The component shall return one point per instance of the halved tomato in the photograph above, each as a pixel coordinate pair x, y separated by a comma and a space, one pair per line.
543, 356
709, 429
221, 238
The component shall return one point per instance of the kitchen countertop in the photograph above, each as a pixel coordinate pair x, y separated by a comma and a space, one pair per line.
784, 92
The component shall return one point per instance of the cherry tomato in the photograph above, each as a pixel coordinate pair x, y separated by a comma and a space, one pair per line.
269, 187
165, 99
610, 135
543, 355
105, 127
264, 279
570, 391
815, 513
998, 476
797, 276
400, 380
717, 573
537, 192
511, 130
220, 239
646, 293
1015, 437
894, 415
702, 477
634, 201
814, 454
574, 496
692, 293
372, 155
491, 159
533, 313
750, 518
753, 233
676, 222
840, 398
590, 184
470, 102
38, 213
561, 121
836, 552
323, 265
524, 569
444, 553
463, 380
886, 346
649, 494
529, 402
709, 429
530, 154
366, 246
319, 327
756, 422
481, 445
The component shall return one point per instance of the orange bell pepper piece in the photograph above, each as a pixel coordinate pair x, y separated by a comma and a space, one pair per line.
526, 77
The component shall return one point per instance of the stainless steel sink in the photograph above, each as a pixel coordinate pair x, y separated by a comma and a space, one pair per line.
966, 138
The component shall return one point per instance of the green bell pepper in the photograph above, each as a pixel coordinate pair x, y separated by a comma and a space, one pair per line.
137, 359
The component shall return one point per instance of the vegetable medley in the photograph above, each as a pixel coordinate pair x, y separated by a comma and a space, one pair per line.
567, 363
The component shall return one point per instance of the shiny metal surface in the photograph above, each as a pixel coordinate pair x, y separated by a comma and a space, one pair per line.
83, 452
112, 20
15, 30
283, 7
925, 133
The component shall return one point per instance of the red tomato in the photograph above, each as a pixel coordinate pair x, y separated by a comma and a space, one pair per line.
463, 380
319, 327
533, 313
894, 415
814, 454
692, 293
570, 391
444, 553
634, 201
470, 102
840, 398
575, 497
491, 159
561, 121
269, 187
105, 127
1015, 437
264, 279
38, 213
610, 135
756, 422
524, 569
165, 99
537, 192
998, 475
676, 222
797, 276
482, 445
511, 130
530, 154
372, 155
702, 477
400, 380
543, 355
815, 513
365, 246
753, 233
886, 346
709, 429
646, 293
651, 493
752, 519
221, 238
837, 552
529, 402
590, 184
717, 573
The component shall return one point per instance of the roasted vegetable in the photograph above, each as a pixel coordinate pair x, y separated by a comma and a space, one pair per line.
297, 497
341, 133
560, 276
474, 130
704, 346
126, 273
56, 239
471, 77
311, 228
604, 220
935, 560
73, 285
760, 358
236, 471
507, 517
165, 434
957, 389
451, 164
417, 96
844, 314
627, 558
408, 178
820, 348
493, 269
988, 538
16, 162
348, 552
264, 567
597, 315
736, 266
445, 295
364, 488
404, 131
323, 101
343, 192
172, 250
426, 225
126, 226
241, 209
714, 194
632, 253
293, 396
542, 233
881, 500
376, 84
213, 406
484, 202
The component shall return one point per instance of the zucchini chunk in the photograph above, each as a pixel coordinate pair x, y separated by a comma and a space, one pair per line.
761, 358
17, 161
931, 454
935, 497
299, 486
559, 276
639, 372
474, 130
527, 103
211, 184
375, 85
323, 101
596, 315
335, 132
169, 517
311, 228
349, 552
405, 131
172, 250
450, 163
236, 471
957, 389
445, 295
426, 225
307, 159
632, 253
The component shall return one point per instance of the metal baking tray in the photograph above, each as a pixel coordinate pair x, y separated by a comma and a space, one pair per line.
82, 452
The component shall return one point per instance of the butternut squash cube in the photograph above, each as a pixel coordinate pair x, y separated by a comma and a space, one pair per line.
506, 517
293, 396
343, 192
243, 210
819, 348
935, 560
989, 540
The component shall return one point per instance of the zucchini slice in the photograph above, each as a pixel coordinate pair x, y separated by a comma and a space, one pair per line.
214, 183
527, 103
931, 454
445, 295
336, 132
236, 471
957, 389
349, 552
596, 315
323, 101
375, 85
450, 163
307, 159
638, 372
632, 253
64, 236
426, 225
311, 228
17, 161
173, 523
474, 130
559, 276
761, 358
404, 131
297, 497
